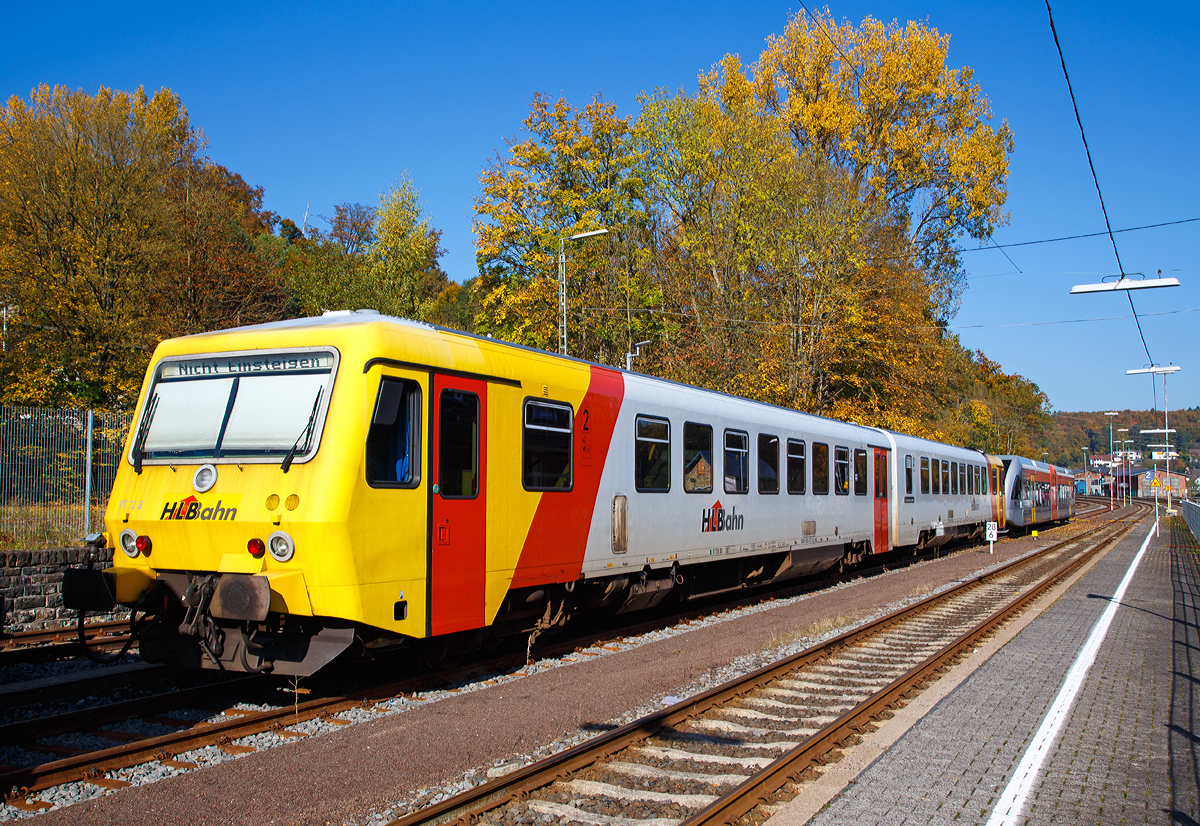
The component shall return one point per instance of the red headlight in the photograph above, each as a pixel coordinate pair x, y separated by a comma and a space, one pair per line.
256, 547
144, 545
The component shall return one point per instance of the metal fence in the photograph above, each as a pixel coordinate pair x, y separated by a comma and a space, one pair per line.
1191, 514
56, 472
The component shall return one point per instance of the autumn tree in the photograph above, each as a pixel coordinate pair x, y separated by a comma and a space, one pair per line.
84, 226
913, 136
383, 258
214, 277
575, 172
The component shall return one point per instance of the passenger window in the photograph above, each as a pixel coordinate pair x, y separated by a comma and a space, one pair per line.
860, 473
394, 438
795, 466
768, 463
737, 461
546, 454
953, 478
652, 455
820, 469
458, 445
937, 477
841, 470
925, 475
908, 473
945, 477
697, 458
962, 479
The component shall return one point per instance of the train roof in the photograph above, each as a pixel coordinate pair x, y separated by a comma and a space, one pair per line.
334, 318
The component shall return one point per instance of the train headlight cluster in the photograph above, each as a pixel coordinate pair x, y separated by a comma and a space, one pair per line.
133, 545
281, 546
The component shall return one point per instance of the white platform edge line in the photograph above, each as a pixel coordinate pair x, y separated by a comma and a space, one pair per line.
1012, 802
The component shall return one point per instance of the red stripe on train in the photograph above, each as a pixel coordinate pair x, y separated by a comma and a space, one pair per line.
557, 539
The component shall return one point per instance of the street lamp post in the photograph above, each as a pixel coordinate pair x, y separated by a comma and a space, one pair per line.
1087, 477
1124, 456
1164, 372
1111, 481
562, 283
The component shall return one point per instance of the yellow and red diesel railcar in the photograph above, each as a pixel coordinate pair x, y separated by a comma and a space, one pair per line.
290, 490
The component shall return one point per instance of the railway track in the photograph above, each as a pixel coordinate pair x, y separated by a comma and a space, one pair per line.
716, 757
49, 644
163, 727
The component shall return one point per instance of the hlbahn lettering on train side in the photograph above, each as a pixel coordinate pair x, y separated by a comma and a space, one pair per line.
716, 519
222, 510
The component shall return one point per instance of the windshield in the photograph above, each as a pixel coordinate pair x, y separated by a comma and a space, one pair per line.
236, 406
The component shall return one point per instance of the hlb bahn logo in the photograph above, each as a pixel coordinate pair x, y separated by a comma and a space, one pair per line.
223, 510
716, 519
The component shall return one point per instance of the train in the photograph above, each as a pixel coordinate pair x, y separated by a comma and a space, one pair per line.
295, 490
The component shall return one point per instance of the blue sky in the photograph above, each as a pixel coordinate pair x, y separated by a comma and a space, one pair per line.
322, 105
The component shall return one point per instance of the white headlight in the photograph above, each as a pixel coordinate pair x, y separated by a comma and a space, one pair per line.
128, 540
281, 546
204, 478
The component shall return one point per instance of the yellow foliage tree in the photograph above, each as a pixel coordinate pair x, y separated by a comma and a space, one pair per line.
82, 223
575, 173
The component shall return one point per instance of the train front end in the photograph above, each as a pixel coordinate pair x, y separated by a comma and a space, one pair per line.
228, 516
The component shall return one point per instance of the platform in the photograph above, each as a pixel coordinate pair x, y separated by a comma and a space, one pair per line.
1128, 745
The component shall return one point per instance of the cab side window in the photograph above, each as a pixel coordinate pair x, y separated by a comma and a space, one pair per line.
394, 438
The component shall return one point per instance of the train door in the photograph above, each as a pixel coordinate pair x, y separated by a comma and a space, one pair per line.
458, 489
1054, 482
882, 543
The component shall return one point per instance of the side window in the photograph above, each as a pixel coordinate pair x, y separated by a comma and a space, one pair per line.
795, 466
937, 477
768, 463
953, 478
652, 455
737, 461
546, 448
697, 458
908, 473
860, 473
945, 477
820, 468
925, 475
458, 445
962, 478
841, 470
394, 439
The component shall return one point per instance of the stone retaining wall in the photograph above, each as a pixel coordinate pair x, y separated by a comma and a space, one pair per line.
31, 584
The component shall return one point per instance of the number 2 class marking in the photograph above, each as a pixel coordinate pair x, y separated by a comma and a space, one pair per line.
584, 414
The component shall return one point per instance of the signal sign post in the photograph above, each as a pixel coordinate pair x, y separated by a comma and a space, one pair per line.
1157, 485
992, 533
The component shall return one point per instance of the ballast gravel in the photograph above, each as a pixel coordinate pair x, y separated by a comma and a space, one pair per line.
411, 752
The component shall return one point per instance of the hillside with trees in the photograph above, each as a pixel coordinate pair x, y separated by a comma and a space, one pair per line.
1072, 431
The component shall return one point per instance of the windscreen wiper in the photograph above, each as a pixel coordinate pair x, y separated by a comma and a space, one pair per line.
139, 441
307, 431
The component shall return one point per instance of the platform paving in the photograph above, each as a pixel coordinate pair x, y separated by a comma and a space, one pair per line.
1128, 752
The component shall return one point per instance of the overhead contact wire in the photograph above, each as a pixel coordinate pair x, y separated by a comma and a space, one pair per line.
1095, 179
